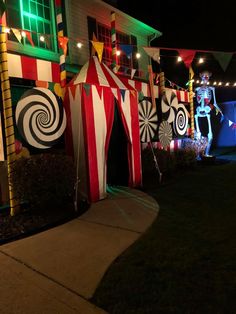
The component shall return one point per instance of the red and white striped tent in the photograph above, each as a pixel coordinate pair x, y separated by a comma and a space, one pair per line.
90, 104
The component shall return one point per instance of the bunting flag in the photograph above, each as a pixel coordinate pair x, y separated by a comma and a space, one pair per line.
187, 56
93, 49
230, 123
223, 58
132, 73
154, 53
17, 34
127, 49
98, 46
28, 36
63, 44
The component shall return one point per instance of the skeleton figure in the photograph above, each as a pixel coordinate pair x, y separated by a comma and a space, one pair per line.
204, 95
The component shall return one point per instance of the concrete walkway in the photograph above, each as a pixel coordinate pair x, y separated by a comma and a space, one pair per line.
58, 270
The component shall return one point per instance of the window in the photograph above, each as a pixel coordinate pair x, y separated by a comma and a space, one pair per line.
104, 35
35, 16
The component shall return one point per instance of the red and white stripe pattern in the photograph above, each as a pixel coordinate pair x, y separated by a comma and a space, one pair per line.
33, 69
96, 107
94, 72
183, 96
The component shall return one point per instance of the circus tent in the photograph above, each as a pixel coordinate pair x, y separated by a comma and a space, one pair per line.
90, 102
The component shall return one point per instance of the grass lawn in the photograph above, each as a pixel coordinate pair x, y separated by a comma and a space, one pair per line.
186, 261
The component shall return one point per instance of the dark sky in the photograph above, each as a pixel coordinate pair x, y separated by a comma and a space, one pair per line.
207, 25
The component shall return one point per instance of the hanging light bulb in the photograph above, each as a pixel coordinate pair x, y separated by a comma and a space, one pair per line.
215, 83
79, 45
220, 83
138, 55
227, 84
42, 38
23, 34
201, 60
118, 52
179, 59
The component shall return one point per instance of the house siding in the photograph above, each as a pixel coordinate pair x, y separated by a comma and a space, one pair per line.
77, 12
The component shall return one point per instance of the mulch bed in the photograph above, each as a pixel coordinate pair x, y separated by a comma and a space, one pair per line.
28, 222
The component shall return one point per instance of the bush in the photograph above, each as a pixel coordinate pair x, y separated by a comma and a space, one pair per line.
168, 163
45, 181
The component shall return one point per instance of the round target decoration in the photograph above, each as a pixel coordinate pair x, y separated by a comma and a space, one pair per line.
40, 117
147, 121
169, 105
165, 134
180, 123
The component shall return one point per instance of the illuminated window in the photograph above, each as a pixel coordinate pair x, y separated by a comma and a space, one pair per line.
104, 35
35, 16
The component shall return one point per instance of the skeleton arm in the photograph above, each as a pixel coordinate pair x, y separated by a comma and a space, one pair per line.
214, 99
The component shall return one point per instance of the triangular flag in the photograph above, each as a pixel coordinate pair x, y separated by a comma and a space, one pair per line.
132, 73
187, 56
28, 35
99, 90
223, 58
122, 91
2, 7
17, 34
73, 89
87, 88
154, 53
93, 49
127, 49
63, 44
114, 91
230, 123
98, 46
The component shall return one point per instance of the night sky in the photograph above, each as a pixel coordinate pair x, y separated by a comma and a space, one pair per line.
199, 25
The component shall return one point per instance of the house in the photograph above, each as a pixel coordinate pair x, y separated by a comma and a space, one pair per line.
35, 58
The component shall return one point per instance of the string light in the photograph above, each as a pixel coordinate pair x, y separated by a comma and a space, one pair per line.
118, 52
23, 34
179, 59
138, 55
42, 38
79, 45
201, 60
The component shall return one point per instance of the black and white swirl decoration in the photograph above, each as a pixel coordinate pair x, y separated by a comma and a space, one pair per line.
165, 134
169, 105
147, 121
180, 123
40, 117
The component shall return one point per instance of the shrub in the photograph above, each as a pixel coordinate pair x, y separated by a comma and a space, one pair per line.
45, 181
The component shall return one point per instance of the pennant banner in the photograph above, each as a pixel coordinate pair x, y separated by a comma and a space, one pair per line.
28, 36
63, 44
127, 49
98, 46
17, 34
154, 53
132, 73
187, 56
223, 58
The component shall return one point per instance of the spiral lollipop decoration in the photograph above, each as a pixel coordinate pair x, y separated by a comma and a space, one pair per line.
40, 117
180, 123
169, 105
165, 134
147, 121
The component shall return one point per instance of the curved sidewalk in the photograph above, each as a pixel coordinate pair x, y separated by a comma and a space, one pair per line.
58, 270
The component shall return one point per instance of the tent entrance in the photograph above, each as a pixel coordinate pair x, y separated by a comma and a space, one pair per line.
117, 158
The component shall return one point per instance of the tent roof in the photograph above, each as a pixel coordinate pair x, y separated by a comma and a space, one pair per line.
96, 73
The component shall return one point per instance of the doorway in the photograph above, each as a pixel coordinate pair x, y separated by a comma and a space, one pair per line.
117, 158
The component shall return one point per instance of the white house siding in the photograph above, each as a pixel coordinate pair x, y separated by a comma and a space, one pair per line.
77, 12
